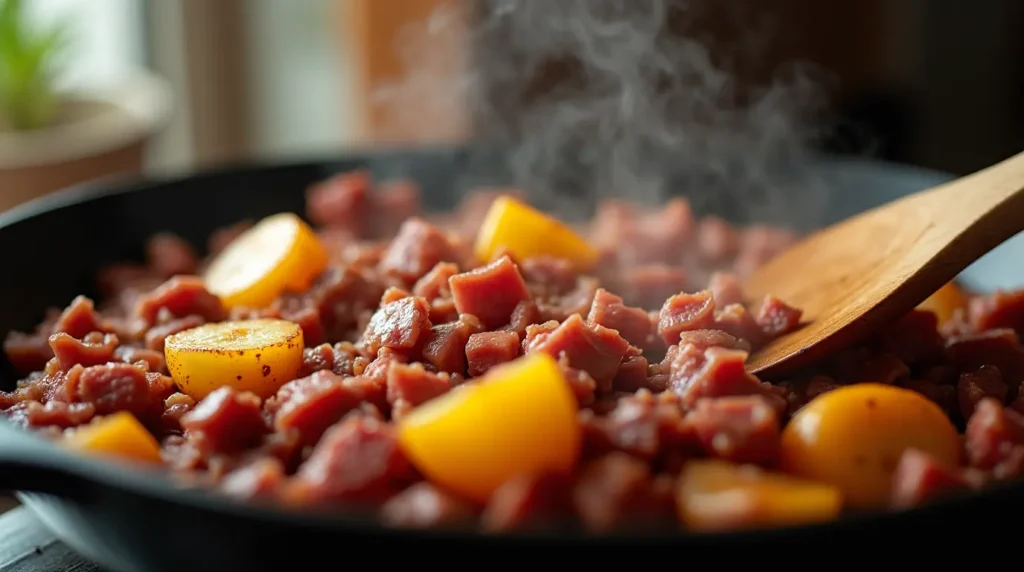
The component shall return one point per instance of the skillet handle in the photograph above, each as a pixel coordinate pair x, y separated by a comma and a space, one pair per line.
28, 463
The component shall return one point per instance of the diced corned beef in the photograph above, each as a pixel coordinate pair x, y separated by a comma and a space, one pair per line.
941, 375
27, 352
549, 276
994, 439
339, 358
528, 502
446, 346
777, 318
704, 339
914, 338
309, 405
1000, 348
54, 385
175, 407
226, 420
608, 491
608, 310
154, 360
920, 479
394, 202
357, 460
340, 201
997, 310
879, 368
346, 356
170, 255
525, 314
485, 350
685, 312
613, 220
725, 289
79, 319
641, 425
181, 454
977, 385
181, 296
576, 301
33, 414
594, 349
717, 240
945, 396
818, 385
743, 429
94, 349
341, 296
433, 287
491, 293
378, 368
425, 506
401, 325
715, 372
393, 294
415, 250
434, 284
632, 375
260, 479
758, 245
317, 358
112, 387
656, 236
738, 322
156, 335
648, 286
160, 386
414, 384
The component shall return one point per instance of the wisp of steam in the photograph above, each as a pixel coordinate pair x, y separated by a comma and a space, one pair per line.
645, 113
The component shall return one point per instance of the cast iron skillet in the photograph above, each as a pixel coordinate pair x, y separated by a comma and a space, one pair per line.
128, 520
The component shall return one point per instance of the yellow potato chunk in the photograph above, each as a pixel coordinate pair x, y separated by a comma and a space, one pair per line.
279, 253
519, 419
717, 495
525, 232
249, 355
853, 437
118, 435
945, 301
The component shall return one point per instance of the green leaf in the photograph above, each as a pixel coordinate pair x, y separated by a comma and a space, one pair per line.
28, 64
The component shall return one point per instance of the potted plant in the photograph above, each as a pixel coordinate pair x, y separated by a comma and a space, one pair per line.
51, 139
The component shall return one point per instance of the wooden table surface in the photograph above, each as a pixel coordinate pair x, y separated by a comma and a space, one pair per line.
27, 546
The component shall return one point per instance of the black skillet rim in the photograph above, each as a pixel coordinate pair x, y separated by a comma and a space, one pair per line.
41, 454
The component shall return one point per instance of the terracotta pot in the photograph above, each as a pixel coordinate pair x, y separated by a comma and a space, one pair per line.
96, 135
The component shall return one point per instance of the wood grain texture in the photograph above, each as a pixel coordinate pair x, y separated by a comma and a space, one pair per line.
860, 274
27, 546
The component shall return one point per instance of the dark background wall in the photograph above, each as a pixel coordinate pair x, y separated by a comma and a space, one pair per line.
937, 83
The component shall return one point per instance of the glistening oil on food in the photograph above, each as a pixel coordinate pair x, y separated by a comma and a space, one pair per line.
496, 369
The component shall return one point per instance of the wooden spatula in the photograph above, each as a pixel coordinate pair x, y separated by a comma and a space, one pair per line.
854, 277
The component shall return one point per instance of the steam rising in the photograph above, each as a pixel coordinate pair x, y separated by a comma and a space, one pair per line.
645, 114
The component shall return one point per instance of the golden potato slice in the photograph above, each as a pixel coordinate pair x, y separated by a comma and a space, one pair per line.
945, 301
118, 435
250, 355
716, 495
853, 437
520, 419
279, 253
515, 227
